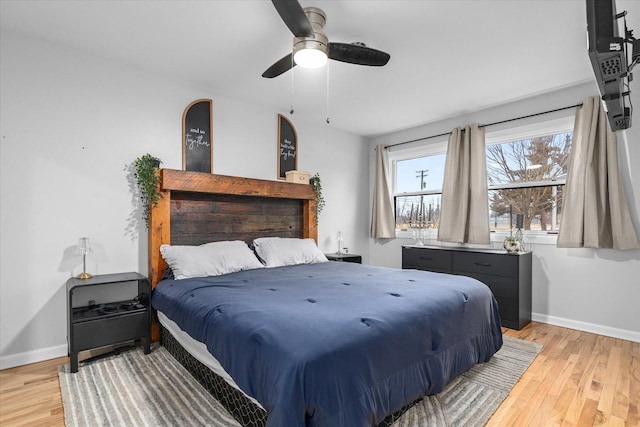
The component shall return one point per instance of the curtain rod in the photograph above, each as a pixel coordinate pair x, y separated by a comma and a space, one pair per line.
484, 126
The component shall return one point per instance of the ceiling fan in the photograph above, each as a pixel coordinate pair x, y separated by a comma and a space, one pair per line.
311, 46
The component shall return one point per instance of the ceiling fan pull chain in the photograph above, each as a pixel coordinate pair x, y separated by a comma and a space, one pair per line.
292, 64
328, 121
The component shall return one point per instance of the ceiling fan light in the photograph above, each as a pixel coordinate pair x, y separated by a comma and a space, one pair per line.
310, 58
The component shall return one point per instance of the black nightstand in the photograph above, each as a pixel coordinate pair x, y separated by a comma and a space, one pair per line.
344, 257
98, 325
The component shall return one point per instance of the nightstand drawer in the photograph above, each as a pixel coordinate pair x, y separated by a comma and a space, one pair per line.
427, 259
345, 258
485, 263
107, 331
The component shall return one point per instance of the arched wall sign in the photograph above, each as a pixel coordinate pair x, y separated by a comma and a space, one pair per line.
197, 136
287, 147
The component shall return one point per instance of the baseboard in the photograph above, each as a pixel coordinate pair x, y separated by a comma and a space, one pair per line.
624, 334
33, 356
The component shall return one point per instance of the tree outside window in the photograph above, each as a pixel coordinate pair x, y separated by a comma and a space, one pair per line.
533, 171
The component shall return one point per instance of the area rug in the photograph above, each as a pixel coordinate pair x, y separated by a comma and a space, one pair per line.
133, 389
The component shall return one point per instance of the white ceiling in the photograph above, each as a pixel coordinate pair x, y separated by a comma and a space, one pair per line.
447, 57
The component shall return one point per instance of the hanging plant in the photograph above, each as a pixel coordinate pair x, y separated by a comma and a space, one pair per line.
316, 182
148, 179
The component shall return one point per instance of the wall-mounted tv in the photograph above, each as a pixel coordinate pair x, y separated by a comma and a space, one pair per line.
607, 52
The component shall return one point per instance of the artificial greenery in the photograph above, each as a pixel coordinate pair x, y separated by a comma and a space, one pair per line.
316, 182
511, 244
148, 179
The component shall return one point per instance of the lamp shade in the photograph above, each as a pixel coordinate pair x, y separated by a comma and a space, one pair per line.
83, 247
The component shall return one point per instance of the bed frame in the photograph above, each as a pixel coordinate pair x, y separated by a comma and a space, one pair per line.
197, 208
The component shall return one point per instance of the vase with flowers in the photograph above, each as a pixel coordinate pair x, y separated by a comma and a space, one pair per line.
511, 244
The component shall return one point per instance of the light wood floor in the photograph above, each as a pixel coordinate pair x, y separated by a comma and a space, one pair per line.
579, 379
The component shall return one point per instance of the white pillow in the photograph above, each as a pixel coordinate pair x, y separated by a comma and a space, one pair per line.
210, 259
278, 251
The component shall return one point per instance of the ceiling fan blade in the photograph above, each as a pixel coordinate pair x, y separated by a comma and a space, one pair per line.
292, 14
283, 65
358, 54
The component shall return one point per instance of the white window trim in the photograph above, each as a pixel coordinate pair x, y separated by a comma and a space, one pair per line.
437, 146
533, 130
497, 239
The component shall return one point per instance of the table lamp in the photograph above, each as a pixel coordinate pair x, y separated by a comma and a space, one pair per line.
83, 249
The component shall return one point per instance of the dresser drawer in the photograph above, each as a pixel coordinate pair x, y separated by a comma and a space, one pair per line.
508, 310
486, 263
501, 286
427, 259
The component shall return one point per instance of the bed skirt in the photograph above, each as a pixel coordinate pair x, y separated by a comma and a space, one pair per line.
247, 413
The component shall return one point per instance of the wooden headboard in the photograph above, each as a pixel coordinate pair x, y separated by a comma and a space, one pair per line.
197, 208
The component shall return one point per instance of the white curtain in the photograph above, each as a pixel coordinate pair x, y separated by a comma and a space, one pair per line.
464, 216
595, 212
383, 224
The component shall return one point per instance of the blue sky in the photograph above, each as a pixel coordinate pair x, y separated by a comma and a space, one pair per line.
408, 175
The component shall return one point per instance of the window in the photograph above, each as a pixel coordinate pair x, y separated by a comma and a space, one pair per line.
417, 180
526, 171
420, 182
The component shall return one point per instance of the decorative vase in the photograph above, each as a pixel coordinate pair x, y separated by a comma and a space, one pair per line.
419, 236
511, 245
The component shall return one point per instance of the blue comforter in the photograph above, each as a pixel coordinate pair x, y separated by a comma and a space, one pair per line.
336, 344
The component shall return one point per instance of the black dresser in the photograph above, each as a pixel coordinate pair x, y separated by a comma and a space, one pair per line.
507, 275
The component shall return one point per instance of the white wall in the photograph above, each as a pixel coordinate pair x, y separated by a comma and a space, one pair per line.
70, 125
596, 290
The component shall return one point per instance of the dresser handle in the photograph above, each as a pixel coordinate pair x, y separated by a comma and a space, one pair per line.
424, 258
484, 264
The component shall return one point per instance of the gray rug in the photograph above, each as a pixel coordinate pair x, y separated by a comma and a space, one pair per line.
132, 389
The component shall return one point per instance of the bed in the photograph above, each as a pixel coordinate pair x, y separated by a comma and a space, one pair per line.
317, 344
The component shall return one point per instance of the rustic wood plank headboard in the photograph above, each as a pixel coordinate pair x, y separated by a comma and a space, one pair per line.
197, 207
